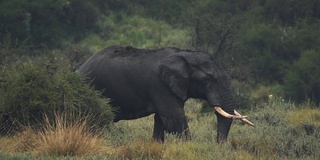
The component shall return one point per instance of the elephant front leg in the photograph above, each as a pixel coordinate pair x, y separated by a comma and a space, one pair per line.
158, 130
175, 122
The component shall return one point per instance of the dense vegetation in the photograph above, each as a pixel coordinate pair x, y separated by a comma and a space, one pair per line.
270, 48
270, 43
32, 89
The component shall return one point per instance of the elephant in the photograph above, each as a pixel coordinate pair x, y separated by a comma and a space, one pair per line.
141, 82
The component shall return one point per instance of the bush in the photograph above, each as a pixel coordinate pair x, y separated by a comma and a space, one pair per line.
31, 89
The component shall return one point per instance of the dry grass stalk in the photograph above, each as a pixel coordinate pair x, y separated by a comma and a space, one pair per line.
66, 135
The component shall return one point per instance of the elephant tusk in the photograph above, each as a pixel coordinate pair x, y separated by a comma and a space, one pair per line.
227, 115
236, 116
222, 112
243, 119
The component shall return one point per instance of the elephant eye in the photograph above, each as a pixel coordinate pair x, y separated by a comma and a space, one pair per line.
211, 77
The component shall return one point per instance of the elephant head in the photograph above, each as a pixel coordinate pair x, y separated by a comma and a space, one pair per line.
198, 75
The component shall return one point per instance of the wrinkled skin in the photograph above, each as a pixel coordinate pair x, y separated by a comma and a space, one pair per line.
142, 82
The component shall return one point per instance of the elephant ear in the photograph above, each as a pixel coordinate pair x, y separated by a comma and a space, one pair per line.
174, 71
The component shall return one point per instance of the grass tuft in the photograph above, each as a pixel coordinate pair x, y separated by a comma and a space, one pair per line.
66, 135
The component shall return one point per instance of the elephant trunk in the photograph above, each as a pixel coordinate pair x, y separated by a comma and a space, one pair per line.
224, 115
221, 98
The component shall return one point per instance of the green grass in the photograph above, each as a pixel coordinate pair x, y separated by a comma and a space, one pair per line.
274, 137
283, 131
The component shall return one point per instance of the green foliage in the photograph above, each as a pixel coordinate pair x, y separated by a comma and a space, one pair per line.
289, 12
264, 41
168, 10
174, 12
258, 41
303, 80
76, 56
11, 49
212, 31
30, 89
135, 31
48, 21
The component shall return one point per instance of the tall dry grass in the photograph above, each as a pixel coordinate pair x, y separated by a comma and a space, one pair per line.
66, 135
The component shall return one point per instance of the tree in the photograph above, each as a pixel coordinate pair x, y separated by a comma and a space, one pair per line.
50, 22
302, 82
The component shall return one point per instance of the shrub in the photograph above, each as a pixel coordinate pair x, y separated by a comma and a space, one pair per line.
31, 89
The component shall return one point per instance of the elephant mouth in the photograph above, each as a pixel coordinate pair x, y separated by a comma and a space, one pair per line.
236, 115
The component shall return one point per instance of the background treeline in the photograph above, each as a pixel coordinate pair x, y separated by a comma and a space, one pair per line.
269, 46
